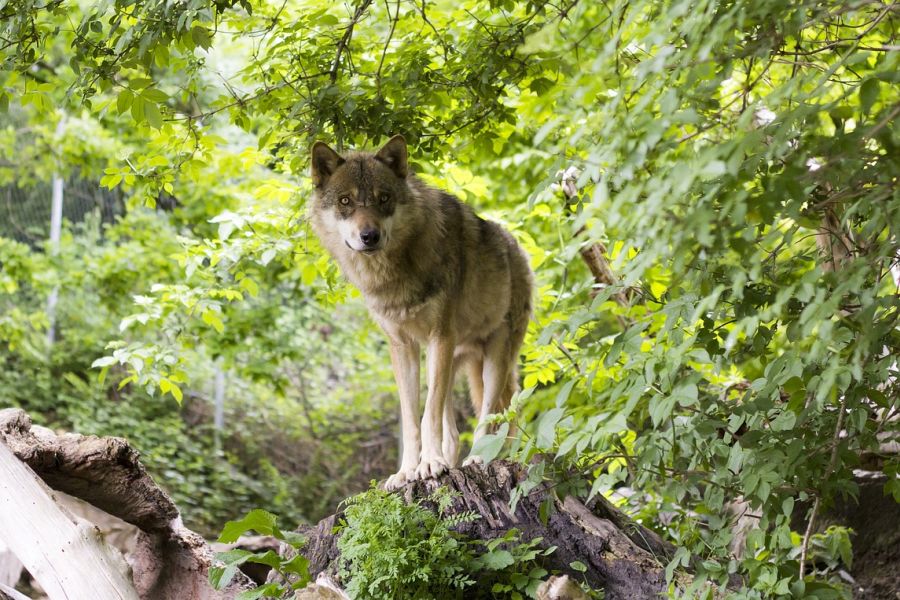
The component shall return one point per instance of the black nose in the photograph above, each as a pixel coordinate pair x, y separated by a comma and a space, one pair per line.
370, 237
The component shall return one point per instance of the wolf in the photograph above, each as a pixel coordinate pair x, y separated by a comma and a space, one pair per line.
433, 274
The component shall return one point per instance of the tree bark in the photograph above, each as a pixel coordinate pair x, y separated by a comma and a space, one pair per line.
622, 557
169, 562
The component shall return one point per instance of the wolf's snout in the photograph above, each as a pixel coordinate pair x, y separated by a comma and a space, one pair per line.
370, 237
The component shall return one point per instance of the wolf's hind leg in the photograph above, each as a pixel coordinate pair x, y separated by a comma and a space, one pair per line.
475, 375
450, 441
498, 365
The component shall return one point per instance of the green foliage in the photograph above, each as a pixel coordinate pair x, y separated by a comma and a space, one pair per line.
738, 161
394, 549
211, 481
294, 570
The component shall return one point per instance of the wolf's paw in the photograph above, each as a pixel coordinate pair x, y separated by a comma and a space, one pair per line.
431, 467
398, 480
473, 459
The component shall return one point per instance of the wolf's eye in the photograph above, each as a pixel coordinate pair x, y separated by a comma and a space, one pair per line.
344, 200
384, 198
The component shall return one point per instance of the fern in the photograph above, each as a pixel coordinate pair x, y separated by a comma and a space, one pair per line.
391, 549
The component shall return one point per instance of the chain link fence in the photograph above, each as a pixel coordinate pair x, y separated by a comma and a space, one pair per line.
25, 212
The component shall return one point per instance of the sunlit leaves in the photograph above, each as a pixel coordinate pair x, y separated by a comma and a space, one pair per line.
737, 160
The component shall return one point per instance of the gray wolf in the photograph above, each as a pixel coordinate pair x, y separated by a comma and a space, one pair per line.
432, 274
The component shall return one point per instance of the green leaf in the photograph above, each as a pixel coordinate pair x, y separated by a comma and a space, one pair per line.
270, 589
137, 109
124, 100
154, 95
868, 95
787, 507
261, 521
546, 429
579, 566
713, 169
250, 286
735, 457
211, 318
299, 565
105, 361
489, 446
661, 408
498, 559
685, 394
221, 575
152, 114
169, 387
201, 37
564, 392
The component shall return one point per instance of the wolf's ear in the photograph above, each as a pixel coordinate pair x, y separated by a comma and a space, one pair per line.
393, 154
325, 162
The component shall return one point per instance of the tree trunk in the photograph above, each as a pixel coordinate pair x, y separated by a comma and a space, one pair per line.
622, 557
169, 562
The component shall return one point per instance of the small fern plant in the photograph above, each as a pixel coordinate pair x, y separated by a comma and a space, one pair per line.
394, 550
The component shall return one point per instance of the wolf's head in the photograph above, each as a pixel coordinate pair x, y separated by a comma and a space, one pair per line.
358, 195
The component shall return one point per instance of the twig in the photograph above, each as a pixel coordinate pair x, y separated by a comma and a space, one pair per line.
387, 43
250, 98
880, 125
806, 537
832, 464
841, 42
345, 39
568, 354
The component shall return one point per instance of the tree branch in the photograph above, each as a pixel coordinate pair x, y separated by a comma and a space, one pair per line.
345, 39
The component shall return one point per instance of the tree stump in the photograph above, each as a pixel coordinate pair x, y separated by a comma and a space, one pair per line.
622, 557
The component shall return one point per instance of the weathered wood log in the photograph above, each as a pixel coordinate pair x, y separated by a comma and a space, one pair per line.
69, 559
170, 561
622, 557
10, 566
8, 593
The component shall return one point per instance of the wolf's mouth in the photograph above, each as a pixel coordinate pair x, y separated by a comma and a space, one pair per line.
368, 251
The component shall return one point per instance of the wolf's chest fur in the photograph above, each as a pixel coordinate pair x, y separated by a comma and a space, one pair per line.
418, 284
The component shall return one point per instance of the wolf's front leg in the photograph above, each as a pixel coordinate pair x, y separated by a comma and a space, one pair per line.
405, 360
440, 375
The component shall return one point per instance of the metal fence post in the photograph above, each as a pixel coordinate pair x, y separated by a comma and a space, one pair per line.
56, 210
219, 401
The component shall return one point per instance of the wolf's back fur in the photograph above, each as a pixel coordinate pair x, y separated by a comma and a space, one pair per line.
443, 273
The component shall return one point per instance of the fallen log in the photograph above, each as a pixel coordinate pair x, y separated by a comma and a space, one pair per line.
622, 557
170, 562
69, 559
